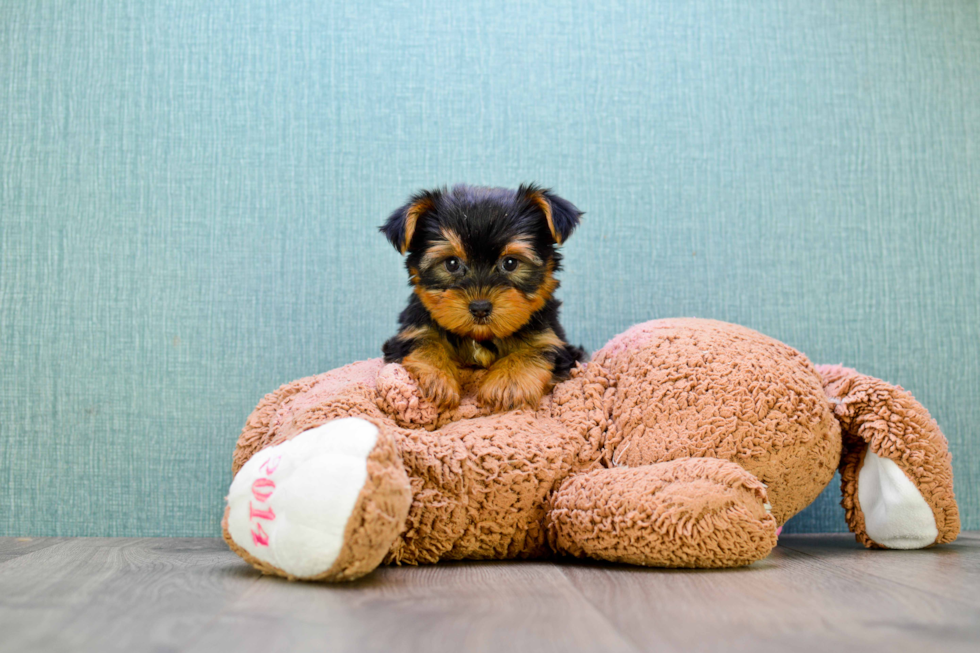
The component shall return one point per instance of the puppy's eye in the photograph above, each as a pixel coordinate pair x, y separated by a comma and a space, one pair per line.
452, 264
509, 264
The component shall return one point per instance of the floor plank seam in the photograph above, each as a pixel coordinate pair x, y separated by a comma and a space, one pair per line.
836, 571
199, 633
15, 555
626, 638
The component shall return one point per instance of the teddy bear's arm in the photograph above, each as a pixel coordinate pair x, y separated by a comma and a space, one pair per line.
689, 512
896, 469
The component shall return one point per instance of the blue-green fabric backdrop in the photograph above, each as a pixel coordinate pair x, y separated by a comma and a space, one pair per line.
189, 194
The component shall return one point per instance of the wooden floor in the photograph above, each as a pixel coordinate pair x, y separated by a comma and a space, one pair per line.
814, 593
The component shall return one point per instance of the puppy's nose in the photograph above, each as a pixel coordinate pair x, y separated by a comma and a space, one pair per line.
480, 308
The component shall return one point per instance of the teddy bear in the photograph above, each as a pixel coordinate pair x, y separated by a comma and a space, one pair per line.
680, 443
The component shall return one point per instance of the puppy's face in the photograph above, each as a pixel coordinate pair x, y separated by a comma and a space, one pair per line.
482, 260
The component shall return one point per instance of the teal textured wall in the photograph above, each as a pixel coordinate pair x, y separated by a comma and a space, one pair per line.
189, 196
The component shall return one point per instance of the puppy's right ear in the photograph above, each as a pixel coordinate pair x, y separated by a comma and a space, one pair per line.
560, 214
400, 226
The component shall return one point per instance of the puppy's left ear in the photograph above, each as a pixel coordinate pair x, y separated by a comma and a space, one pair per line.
400, 225
561, 215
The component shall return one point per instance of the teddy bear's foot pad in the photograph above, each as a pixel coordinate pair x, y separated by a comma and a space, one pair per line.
896, 514
324, 505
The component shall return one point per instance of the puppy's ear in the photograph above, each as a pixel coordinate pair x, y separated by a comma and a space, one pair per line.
561, 215
400, 225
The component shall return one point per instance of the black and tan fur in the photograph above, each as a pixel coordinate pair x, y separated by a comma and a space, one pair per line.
482, 264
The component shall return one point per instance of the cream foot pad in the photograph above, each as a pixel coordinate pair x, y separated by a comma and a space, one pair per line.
289, 504
895, 514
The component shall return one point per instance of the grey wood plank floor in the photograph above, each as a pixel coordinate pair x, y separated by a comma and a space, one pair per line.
814, 593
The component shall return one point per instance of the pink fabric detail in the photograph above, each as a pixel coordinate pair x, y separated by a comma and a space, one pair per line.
259, 536
259, 485
271, 465
267, 515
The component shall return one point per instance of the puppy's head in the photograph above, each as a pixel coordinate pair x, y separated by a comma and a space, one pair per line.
482, 260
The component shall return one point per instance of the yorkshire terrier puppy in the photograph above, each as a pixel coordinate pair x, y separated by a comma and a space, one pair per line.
482, 264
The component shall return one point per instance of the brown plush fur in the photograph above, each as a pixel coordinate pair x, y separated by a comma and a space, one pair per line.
682, 443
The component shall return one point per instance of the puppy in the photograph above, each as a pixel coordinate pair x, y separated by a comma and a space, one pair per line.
482, 264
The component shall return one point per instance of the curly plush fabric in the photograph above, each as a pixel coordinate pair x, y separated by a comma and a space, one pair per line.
680, 513
709, 389
682, 443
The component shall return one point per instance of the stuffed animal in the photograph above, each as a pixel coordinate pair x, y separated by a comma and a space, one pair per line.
681, 443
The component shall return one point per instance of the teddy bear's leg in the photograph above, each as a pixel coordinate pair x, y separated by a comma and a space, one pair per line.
690, 512
325, 505
896, 471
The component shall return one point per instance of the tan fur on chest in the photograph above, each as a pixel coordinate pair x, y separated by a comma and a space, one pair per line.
474, 353
471, 352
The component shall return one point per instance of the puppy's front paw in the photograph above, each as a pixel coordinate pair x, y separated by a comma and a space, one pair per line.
438, 386
508, 386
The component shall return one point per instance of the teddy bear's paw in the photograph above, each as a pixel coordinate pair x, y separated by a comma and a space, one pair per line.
896, 515
400, 397
326, 504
